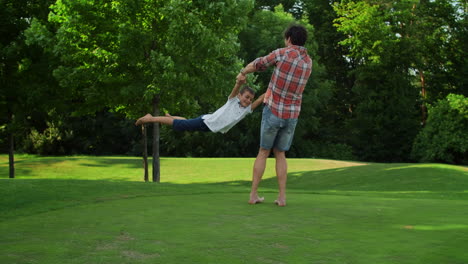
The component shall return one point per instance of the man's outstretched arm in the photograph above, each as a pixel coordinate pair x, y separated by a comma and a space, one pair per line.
246, 70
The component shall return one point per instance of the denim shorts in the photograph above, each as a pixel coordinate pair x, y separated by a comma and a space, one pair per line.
276, 132
194, 124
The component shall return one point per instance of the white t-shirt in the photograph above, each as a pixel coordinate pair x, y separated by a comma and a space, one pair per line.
227, 116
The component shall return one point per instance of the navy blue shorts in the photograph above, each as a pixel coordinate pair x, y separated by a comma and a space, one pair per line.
194, 124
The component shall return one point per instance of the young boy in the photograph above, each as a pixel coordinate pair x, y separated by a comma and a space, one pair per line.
239, 105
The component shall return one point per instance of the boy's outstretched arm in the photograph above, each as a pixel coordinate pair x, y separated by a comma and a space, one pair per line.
258, 102
236, 89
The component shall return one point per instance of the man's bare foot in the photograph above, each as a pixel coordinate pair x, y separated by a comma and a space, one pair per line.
143, 120
280, 202
256, 200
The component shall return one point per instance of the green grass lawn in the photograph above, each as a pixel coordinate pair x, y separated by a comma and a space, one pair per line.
85, 209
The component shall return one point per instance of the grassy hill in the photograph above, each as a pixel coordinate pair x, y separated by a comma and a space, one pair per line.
97, 210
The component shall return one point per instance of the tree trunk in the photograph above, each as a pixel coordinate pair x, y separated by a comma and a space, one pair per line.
423, 95
156, 173
11, 154
145, 151
11, 143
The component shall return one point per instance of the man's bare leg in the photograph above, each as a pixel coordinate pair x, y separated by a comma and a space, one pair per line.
282, 174
154, 119
258, 170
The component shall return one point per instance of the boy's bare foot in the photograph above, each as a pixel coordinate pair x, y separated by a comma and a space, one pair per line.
280, 202
256, 200
143, 120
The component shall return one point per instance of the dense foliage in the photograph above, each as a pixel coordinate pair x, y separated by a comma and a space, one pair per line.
75, 74
444, 138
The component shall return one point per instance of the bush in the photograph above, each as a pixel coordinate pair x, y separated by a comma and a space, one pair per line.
104, 133
49, 142
445, 137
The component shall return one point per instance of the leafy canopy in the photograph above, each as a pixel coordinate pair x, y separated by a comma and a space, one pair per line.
123, 53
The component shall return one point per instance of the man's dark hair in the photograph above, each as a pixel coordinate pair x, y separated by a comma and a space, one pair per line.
297, 33
247, 89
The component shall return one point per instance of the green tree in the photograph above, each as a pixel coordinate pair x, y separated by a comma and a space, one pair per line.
331, 141
444, 138
433, 32
27, 87
150, 56
291, 6
416, 45
383, 122
458, 66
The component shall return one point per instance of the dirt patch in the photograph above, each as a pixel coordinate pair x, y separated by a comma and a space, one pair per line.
116, 244
138, 255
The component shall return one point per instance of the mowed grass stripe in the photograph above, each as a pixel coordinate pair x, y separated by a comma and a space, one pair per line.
97, 210
213, 228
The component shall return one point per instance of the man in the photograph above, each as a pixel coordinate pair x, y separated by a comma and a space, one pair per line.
282, 101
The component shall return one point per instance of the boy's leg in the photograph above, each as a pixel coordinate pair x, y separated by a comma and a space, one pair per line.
154, 119
258, 170
176, 117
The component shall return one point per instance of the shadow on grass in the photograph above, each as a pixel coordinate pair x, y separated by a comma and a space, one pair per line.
369, 177
22, 197
109, 162
380, 177
26, 165
425, 181
28, 196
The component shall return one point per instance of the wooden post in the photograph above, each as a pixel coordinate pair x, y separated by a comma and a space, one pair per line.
145, 151
156, 164
11, 155
11, 142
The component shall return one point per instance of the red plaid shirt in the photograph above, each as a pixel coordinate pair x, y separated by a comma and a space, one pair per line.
292, 70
